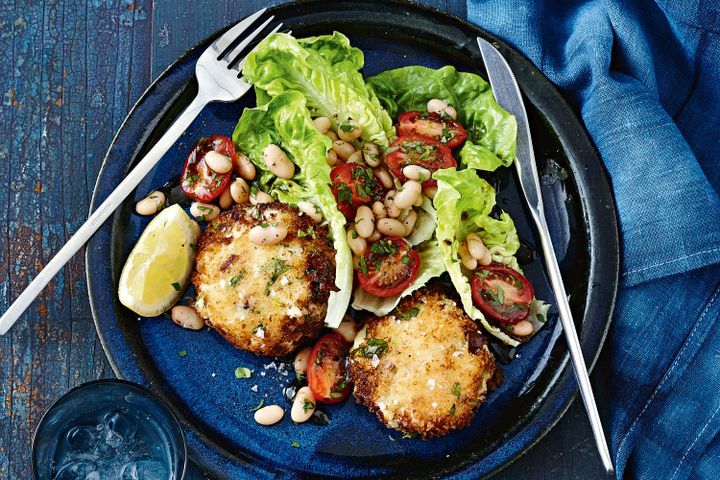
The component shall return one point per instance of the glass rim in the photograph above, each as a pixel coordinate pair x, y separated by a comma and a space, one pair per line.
161, 402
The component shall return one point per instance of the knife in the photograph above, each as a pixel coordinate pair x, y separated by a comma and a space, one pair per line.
507, 94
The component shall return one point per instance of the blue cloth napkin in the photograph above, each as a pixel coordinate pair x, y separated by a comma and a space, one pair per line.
645, 77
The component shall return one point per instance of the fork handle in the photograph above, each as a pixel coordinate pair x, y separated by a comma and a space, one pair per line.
98, 217
576, 354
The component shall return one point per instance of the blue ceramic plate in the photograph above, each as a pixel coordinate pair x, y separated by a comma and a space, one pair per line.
215, 407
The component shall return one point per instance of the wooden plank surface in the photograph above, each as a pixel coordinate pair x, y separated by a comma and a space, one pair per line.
71, 70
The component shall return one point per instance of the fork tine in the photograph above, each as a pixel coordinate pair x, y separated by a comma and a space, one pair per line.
227, 38
233, 56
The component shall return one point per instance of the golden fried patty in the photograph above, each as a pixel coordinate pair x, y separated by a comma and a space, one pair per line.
423, 368
267, 299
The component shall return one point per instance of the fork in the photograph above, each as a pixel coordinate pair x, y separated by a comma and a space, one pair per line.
218, 76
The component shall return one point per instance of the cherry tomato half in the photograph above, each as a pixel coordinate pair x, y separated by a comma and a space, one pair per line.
326, 371
418, 150
388, 267
198, 181
434, 125
353, 185
502, 293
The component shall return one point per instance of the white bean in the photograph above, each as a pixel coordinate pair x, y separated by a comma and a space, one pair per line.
408, 194
269, 415
391, 227
430, 192
261, 197
375, 236
349, 130
364, 221
226, 200
378, 209
196, 229
385, 178
244, 167
343, 149
346, 329
356, 157
322, 124
204, 211
269, 235
467, 260
332, 158
217, 162
186, 317
331, 135
357, 244
436, 105
301, 360
147, 206
450, 112
418, 201
240, 190
409, 222
393, 211
303, 405
476, 247
416, 172
310, 210
371, 153
522, 329
277, 162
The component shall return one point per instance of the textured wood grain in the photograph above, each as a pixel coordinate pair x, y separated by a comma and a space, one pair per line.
71, 70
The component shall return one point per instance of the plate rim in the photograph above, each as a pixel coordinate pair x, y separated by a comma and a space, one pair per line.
573, 123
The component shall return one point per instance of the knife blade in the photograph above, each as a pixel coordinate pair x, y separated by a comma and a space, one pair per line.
508, 95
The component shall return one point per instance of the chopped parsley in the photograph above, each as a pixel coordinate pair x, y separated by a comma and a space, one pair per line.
456, 390
344, 193
308, 405
348, 127
176, 286
275, 268
182, 353
541, 318
236, 279
447, 135
383, 246
408, 314
452, 409
363, 265
295, 444
336, 395
310, 232
483, 273
258, 406
410, 435
406, 259
373, 346
496, 298
242, 372
191, 179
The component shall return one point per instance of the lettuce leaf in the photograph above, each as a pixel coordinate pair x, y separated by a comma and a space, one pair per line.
325, 70
491, 130
286, 122
424, 225
431, 265
463, 203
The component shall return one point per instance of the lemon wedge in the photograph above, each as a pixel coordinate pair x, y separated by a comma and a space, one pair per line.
158, 269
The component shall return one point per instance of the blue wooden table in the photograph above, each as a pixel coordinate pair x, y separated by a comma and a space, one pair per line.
71, 70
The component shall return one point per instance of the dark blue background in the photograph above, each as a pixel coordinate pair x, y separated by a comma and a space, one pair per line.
70, 72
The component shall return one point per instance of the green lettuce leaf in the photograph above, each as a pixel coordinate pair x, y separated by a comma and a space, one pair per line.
281, 63
431, 265
424, 225
286, 122
491, 130
463, 203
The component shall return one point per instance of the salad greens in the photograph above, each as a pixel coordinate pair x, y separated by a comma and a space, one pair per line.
491, 130
298, 79
286, 122
325, 70
464, 202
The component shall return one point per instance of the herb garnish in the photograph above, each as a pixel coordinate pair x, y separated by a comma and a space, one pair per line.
182, 353
176, 286
383, 246
408, 314
258, 406
275, 267
307, 405
242, 372
236, 279
373, 346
